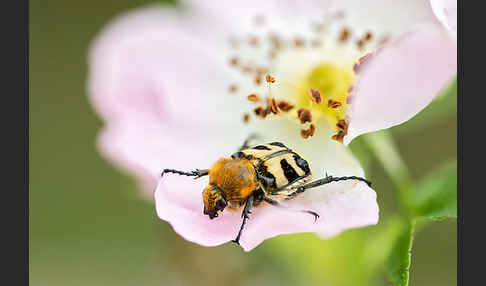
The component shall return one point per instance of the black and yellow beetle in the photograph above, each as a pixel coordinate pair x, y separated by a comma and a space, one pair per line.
267, 173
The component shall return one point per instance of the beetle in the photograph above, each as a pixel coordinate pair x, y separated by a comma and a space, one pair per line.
269, 173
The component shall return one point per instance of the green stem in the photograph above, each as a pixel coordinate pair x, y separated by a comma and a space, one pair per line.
386, 151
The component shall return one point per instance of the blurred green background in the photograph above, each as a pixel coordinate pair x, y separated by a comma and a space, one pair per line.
89, 227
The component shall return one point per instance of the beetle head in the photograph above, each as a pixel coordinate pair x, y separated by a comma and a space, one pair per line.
214, 201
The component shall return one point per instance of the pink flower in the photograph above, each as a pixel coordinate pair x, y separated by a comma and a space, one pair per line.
172, 88
406, 75
446, 13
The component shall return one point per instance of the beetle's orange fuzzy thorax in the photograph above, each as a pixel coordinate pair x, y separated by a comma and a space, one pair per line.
235, 177
231, 181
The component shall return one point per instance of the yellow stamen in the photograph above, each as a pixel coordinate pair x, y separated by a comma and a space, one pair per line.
333, 83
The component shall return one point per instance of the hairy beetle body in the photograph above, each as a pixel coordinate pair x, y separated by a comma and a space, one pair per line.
280, 170
267, 173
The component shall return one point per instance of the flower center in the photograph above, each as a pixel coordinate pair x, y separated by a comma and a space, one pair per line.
306, 77
333, 83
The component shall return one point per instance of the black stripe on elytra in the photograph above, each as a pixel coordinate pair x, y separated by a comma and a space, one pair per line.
261, 147
240, 154
289, 171
278, 153
302, 163
269, 180
278, 144
286, 186
270, 156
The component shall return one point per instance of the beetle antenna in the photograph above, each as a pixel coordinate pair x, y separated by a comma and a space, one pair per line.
197, 173
326, 180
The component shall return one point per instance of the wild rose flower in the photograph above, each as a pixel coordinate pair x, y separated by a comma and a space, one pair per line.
180, 89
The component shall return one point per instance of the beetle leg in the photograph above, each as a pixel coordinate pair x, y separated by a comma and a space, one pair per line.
277, 204
197, 173
267, 181
328, 179
245, 215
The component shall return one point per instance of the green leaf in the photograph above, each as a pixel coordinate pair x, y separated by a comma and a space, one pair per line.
355, 257
435, 197
398, 262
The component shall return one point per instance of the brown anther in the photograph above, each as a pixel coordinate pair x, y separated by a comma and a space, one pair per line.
247, 69
258, 79
268, 110
260, 111
333, 103
269, 78
339, 136
234, 61
233, 88
315, 95
304, 115
260, 70
360, 43
309, 132
284, 105
276, 42
344, 36
363, 40
253, 97
246, 117
299, 42
343, 125
368, 36
273, 105
316, 43
253, 40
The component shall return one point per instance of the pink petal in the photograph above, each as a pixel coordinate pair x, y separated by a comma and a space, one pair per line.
446, 13
161, 90
401, 79
391, 17
277, 16
145, 148
349, 205
150, 63
294, 16
181, 205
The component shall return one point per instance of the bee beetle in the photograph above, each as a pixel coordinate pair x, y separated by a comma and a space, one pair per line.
269, 173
